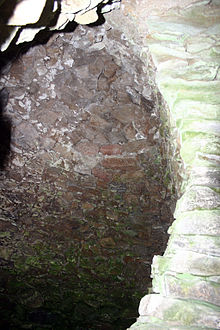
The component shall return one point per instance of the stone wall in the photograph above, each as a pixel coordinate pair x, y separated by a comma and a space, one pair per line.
85, 190
183, 41
184, 45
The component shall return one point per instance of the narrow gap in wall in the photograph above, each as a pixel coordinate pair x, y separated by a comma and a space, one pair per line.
85, 195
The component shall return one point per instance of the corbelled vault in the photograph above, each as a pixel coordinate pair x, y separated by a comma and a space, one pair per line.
110, 137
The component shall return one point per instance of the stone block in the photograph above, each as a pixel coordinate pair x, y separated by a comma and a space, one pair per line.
111, 149
198, 222
126, 113
178, 312
193, 109
198, 143
103, 175
187, 262
124, 164
136, 146
32, 7
203, 176
199, 125
200, 91
89, 17
207, 245
186, 286
198, 198
87, 148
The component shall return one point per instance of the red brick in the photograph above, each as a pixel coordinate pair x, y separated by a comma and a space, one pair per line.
102, 174
120, 163
136, 146
111, 149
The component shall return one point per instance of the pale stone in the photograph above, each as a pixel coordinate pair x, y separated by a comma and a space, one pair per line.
87, 18
188, 287
178, 312
196, 198
28, 34
27, 12
110, 7
61, 22
198, 143
207, 245
74, 6
93, 4
195, 109
201, 126
187, 262
204, 159
204, 176
203, 222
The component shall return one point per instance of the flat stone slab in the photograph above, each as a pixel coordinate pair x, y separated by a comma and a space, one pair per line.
179, 312
199, 125
192, 109
198, 143
198, 222
187, 262
207, 245
208, 160
198, 198
203, 176
187, 286
149, 325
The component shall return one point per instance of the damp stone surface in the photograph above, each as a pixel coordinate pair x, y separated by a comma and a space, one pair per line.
86, 193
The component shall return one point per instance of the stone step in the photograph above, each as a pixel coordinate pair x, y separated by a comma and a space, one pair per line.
176, 312
194, 91
203, 176
203, 69
186, 262
153, 326
207, 245
186, 286
191, 109
211, 127
198, 222
194, 143
198, 198
206, 159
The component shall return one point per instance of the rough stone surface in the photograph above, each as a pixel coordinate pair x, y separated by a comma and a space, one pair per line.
183, 40
85, 194
177, 312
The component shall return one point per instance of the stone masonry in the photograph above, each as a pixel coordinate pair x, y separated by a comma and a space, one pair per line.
183, 41
184, 45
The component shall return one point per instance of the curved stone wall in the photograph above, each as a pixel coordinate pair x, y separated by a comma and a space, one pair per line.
184, 45
183, 41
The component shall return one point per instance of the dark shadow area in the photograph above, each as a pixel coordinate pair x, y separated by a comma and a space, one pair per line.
5, 130
7, 9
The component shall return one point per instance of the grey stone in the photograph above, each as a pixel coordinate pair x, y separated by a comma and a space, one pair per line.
198, 222
179, 312
184, 261
207, 245
186, 286
197, 198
